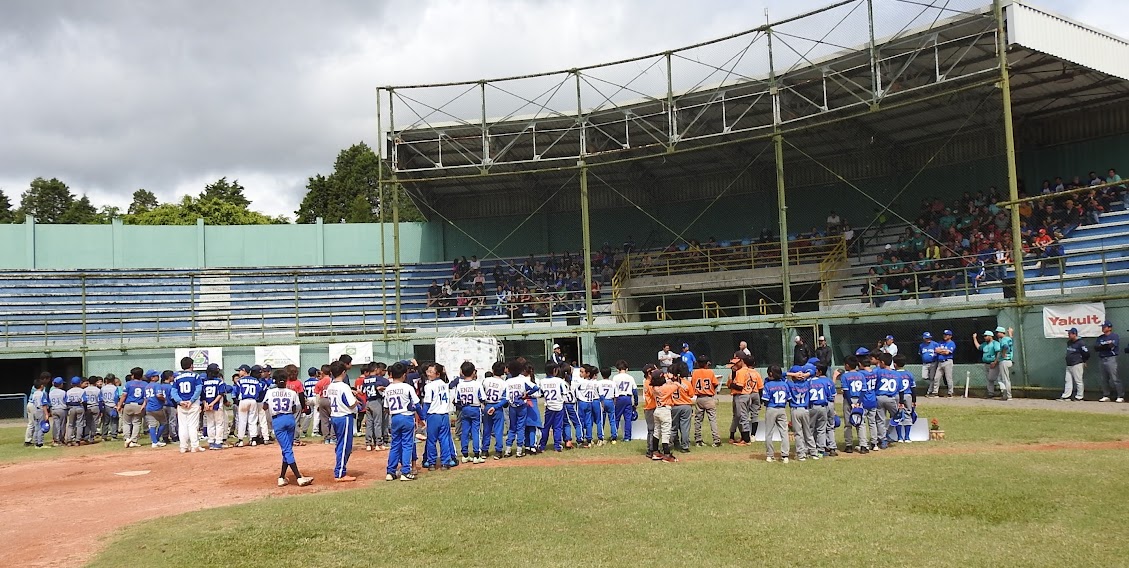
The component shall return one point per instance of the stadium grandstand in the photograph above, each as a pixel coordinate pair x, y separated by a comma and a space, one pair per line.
873, 167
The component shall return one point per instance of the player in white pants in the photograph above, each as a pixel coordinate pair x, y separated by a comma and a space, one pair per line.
186, 390
214, 398
247, 418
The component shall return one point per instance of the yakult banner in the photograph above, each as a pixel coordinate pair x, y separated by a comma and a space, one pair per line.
201, 357
278, 356
360, 352
1087, 318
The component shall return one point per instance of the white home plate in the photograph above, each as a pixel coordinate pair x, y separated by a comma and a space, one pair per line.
133, 473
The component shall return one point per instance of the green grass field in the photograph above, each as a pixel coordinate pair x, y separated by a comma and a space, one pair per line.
982, 497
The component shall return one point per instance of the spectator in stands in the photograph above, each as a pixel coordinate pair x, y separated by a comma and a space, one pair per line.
629, 245
474, 263
595, 289
434, 292
834, 223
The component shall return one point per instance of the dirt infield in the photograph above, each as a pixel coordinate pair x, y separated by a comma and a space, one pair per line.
99, 500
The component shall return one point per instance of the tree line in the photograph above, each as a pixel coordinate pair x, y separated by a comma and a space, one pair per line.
350, 194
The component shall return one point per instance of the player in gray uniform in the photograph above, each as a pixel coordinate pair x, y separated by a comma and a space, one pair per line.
92, 416
58, 399
32, 423
109, 395
75, 411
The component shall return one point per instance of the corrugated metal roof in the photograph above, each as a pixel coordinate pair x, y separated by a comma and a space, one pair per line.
1066, 39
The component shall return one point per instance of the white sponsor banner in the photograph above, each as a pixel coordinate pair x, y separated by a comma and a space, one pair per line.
278, 356
201, 357
452, 352
360, 352
1087, 318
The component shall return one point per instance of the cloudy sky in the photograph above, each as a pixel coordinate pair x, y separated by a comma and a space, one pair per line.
112, 96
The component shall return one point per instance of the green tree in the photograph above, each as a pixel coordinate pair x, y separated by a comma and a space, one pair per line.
143, 200
6, 214
223, 190
107, 213
351, 192
47, 200
212, 211
80, 212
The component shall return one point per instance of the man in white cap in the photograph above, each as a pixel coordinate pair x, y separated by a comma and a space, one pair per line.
1005, 360
888, 346
944, 352
990, 357
1107, 345
823, 352
557, 357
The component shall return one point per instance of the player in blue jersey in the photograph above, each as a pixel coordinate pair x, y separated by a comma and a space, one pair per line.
494, 417
247, 417
775, 396
907, 397
372, 385
886, 392
823, 411
402, 402
869, 399
156, 419
799, 400
306, 418
282, 404
172, 431
928, 351
213, 396
853, 384
131, 406
186, 390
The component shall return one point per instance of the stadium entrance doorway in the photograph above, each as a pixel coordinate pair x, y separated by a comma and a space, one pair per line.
20, 374
570, 348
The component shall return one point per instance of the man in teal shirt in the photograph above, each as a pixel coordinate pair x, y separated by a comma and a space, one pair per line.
989, 355
1005, 358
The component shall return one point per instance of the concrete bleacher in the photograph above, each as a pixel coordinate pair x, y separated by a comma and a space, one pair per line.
1096, 256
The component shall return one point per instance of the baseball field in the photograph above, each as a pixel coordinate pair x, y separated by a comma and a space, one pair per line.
1036, 484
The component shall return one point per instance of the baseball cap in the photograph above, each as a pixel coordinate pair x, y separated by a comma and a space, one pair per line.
821, 338
244, 368
213, 367
797, 339
57, 381
1000, 329
657, 374
556, 346
151, 373
76, 380
1107, 324
947, 332
312, 371
927, 335
256, 369
1073, 330
988, 332
266, 368
685, 345
889, 337
888, 247
862, 351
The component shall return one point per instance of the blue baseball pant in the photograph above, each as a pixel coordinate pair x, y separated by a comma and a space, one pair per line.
284, 427
607, 410
517, 424
571, 421
493, 425
471, 423
403, 432
554, 420
623, 406
344, 426
586, 411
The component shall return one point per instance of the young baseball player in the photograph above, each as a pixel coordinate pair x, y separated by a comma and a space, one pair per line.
799, 399
92, 412
869, 397
186, 394
823, 411
437, 409
213, 395
29, 409
155, 417
131, 406
58, 397
907, 398
705, 382
42, 409
585, 389
75, 411
682, 410
494, 398
247, 419
626, 398
605, 404
282, 403
745, 385
775, 395
264, 373
372, 386
889, 384
664, 399
532, 412
853, 384
518, 389
306, 418
571, 420
172, 430
342, 410
552, 390
111, 390
649, 406
469, 395
402, 403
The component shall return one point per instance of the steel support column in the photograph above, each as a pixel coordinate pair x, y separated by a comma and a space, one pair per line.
1009, 145
396, 247
785, 277
380, 210
587, 242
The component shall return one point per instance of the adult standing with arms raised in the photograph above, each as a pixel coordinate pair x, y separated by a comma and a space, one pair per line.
1108, 345
989, 356
888, 346
944, 352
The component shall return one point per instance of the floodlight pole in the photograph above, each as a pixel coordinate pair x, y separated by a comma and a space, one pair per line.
395, 216
778, 148
380, 202
1009, 145
587, 242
